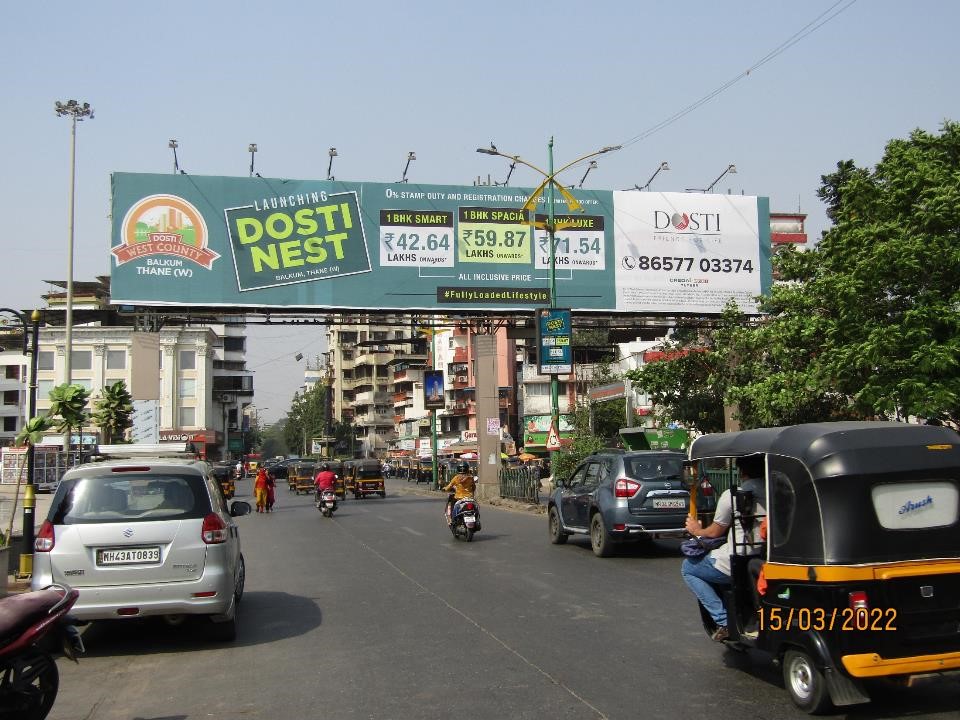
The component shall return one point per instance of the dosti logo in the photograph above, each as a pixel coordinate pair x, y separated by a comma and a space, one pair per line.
164, 225
699, 222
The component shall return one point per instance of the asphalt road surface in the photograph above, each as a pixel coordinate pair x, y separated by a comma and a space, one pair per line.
380, 613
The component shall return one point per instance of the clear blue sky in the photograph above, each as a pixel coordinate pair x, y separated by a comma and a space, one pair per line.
378, 79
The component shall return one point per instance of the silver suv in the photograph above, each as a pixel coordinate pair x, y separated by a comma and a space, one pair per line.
620, 496
144, 536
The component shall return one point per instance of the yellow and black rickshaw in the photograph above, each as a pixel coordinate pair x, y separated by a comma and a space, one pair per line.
368, 478
349, 476
301, 475
336, 467
860, 574
225, 475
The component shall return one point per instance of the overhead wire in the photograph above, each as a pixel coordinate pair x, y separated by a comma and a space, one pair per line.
822, 19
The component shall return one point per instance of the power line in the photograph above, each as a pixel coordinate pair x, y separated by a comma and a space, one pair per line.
811, 27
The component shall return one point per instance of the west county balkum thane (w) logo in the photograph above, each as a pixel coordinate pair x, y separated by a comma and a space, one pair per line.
164, 225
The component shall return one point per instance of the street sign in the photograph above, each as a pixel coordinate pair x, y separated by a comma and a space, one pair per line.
554, 334
553, 438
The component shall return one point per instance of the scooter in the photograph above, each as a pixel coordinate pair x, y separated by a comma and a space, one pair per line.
326, 502
464, 518
28, 674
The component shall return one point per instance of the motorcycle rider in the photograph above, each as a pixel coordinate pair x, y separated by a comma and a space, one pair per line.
463, 486
326, 479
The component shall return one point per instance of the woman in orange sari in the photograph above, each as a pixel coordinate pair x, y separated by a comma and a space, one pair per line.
260, 490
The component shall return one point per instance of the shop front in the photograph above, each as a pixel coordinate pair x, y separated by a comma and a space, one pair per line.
207, 442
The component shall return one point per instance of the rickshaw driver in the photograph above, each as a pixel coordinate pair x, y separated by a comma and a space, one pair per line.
463, 486
713, 568
326, 479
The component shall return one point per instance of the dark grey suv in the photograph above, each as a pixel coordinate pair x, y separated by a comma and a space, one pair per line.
622, 496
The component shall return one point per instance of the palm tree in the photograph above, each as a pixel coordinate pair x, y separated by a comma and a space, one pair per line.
69, 402
112, 412
28, 437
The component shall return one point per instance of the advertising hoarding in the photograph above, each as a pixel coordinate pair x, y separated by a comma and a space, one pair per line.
185, 240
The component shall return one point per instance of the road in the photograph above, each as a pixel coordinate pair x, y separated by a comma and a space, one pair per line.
380, 613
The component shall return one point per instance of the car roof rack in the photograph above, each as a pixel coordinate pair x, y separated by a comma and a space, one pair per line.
138, 450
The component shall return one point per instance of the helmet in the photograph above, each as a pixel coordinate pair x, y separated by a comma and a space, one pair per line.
463, 467
324, 467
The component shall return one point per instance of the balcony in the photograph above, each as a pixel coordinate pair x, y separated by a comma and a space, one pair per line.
401, 398
460, 355
373, 419
239, 384
460, 382
461, 408
373, 397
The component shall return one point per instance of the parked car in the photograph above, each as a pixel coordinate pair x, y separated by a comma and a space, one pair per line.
617, 496
141, 534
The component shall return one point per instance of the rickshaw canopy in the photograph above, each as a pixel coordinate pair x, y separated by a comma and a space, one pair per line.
853, 493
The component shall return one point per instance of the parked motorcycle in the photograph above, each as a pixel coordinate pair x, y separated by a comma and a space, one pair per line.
28, 672
464, 518
327, 502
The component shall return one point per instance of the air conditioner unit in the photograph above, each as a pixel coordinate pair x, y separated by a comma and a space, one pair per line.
224, 397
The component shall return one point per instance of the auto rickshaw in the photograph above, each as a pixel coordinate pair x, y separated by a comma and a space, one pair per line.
225, 475
301, 474
368, 478
862, 562
337, 468
349, 476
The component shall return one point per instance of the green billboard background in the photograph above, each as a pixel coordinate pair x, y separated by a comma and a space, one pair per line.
185, 240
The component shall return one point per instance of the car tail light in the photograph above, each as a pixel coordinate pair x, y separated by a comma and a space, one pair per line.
619, 526
45, 539
214, 530
858, 600
706, 489
624, 488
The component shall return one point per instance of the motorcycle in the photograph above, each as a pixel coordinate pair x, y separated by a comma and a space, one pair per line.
28, 672
464, 518
326, 502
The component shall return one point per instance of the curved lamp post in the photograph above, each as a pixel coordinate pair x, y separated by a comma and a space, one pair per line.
31, 336
550, 184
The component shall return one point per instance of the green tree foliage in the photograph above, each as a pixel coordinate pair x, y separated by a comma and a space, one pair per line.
307, 418
584, 443
273, 442
69, 404
113, 412
29, 436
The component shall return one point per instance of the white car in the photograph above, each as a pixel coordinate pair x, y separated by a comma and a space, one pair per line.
144, 536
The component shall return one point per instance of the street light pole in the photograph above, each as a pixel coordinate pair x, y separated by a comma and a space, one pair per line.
77, 113
550, 184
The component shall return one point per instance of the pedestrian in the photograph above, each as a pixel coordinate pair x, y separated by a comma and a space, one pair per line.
260, 490
271, 487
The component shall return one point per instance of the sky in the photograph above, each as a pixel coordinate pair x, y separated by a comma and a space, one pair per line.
827, 81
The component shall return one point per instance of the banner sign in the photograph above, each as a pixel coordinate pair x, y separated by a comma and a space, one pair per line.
554, 337
185, 240
433, 393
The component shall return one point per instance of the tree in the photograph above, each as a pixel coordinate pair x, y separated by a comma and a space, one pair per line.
69, 403
584, 442
28, 437
113, 411
307, 418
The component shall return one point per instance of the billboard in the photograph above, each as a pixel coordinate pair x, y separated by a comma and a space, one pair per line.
185, 240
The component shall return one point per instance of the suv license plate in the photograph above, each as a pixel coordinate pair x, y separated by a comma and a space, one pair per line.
670, 504
128, 556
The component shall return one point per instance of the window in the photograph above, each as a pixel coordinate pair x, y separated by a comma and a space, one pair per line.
10, 423
116, 359
45, 360
188, 360
82, 359
234, 344
188, 388
84, 383
188, 417
11, 397
44, 388
12, 372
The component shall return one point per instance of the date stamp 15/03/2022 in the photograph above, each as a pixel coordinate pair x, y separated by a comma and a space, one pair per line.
778, 619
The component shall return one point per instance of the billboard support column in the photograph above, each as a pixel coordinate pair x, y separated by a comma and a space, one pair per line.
488, 409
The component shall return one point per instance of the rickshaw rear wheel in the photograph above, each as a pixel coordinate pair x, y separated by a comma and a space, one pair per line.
805, 683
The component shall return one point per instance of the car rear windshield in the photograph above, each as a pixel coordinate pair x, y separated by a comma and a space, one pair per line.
129, 497
653, 467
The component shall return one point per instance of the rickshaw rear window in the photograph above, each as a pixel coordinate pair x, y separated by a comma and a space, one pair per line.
917, 505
